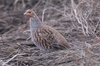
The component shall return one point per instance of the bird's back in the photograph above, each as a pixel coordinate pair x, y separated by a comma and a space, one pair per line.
46, 38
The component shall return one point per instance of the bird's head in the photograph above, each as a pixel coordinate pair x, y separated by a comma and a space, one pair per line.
32, 16
29, 13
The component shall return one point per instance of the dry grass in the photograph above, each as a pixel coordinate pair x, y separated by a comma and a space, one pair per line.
77, 20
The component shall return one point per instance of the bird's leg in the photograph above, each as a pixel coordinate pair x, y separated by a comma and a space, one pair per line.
26, 32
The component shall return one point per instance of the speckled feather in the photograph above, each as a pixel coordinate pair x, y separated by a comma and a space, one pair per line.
45, 36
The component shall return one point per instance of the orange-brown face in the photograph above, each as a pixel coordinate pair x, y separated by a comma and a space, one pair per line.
29, 12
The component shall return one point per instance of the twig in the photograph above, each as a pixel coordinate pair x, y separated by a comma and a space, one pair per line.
2, 62
11, 59
54, 9
95, 30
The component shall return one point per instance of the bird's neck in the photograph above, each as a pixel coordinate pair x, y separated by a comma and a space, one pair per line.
34, 22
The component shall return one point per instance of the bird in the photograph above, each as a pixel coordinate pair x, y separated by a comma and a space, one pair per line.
45, 37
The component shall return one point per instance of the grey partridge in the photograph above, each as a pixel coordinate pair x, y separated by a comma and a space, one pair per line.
43, 36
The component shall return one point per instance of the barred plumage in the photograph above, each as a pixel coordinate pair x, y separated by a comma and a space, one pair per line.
44, 36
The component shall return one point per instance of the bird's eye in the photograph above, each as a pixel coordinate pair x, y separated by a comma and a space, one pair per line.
29, 12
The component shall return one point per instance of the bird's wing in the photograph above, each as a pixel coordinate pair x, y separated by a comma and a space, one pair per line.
48, 38
44, 38
61, 41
